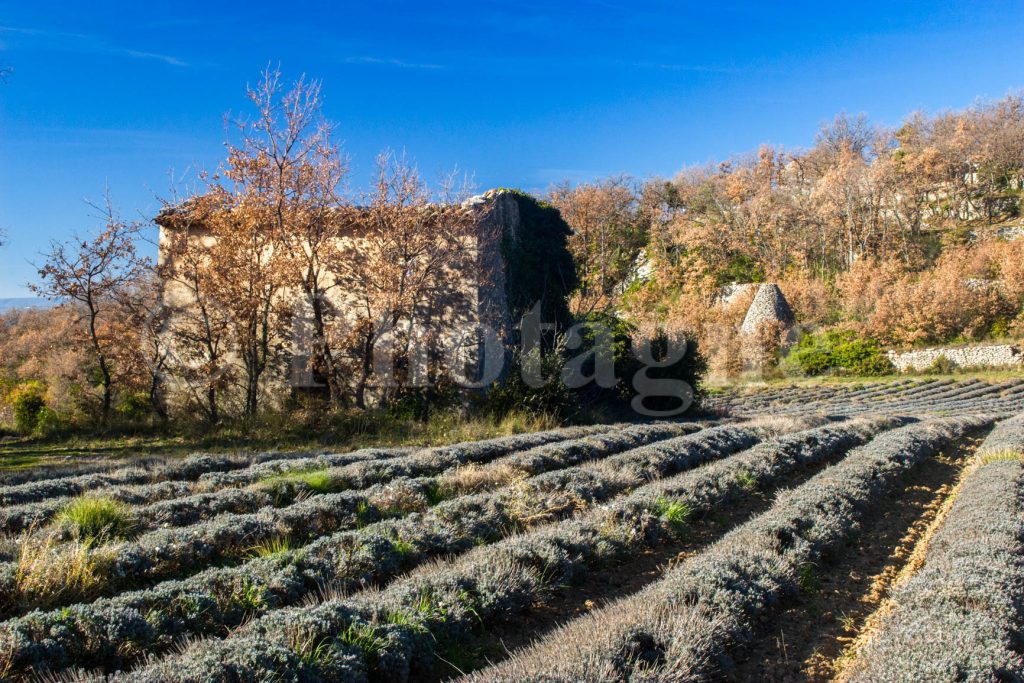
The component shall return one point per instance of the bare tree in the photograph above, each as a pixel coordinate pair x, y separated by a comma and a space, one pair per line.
404, 261
245, 271
287, 155
94, 272
147, 351
199, 326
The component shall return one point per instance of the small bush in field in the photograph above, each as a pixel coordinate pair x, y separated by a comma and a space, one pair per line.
134, 406
941, 366
97, 519
27, 401
48, 421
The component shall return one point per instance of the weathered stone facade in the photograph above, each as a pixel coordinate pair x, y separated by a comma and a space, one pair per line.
480, 295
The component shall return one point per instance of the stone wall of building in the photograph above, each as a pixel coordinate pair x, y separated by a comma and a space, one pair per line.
991, 356
477, 300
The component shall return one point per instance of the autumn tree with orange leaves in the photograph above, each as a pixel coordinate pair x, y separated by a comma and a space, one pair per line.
609, 230
291, 171
91, 274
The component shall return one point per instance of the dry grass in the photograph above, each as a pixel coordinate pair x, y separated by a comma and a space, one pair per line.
400, 498
273, 547
51, 572
473, 478
999, 456
529, 508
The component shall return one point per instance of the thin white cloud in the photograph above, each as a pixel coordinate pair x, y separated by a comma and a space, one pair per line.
84, 43
166, 59
398, 63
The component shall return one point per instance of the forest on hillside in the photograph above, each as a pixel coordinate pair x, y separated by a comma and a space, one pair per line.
894, 237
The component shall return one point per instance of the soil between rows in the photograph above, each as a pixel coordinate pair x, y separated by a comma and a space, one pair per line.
803, 642
608, 584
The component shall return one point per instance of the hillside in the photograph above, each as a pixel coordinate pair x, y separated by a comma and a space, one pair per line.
896, 238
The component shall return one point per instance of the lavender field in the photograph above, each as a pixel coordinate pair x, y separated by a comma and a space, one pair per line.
870, 532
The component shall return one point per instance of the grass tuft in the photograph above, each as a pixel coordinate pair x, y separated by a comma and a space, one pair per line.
287, 487
97, 520
364, 637
675, 512
1000, 456
274, 547
50, 572
746, 479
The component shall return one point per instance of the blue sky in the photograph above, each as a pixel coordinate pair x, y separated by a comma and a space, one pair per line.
519, 94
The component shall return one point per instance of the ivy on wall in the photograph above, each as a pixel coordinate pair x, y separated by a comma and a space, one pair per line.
538, 264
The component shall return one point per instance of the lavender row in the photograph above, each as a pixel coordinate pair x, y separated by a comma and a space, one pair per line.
189, 468
168, 552
400, 629
689, 624
20, 517
960, 617
110, 632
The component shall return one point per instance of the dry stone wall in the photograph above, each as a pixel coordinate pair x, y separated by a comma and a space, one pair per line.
992, 356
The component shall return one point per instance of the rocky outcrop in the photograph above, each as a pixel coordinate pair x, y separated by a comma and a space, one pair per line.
768, 306
731, 293
991, 356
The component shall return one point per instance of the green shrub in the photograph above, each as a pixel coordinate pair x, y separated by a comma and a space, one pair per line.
49, 421
691, 369
840, 352
513, 393
134, 406
1000, 329
556, 398
941, 366
27, 403
741, 268
97, 519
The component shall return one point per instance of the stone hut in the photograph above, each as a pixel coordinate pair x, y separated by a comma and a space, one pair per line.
768, 306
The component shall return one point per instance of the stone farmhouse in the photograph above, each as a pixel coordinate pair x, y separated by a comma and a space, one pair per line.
481, 303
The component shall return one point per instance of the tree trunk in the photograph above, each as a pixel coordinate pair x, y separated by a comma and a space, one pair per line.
364, 374
105, 383
211, 405
322, 356
156, 397
104, 368
251, 395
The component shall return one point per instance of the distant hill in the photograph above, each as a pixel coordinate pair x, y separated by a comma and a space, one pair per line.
24, 302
